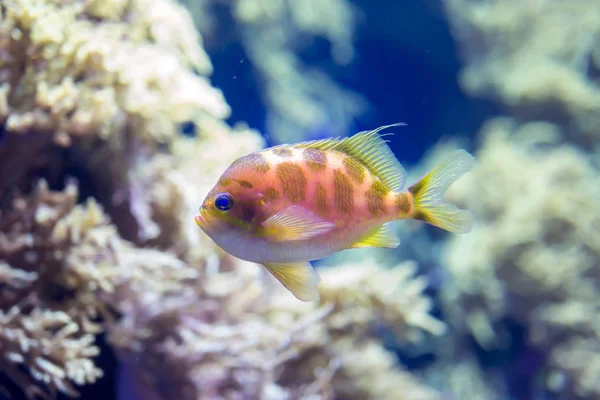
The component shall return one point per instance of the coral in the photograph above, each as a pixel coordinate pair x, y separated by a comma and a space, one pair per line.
111, 81
262, 343
365, 297
460, 375
44, 244
47, 305
51, 347
80, 68
60, 262
539, 58
364, 292
533, 256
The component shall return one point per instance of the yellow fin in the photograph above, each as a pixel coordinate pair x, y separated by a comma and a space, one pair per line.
430, 206
381, 237
370, 149
295, 223
299, 278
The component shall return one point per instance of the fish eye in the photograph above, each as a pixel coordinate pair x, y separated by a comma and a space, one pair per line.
223, 201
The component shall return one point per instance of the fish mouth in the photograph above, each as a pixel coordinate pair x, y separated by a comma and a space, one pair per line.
201, 219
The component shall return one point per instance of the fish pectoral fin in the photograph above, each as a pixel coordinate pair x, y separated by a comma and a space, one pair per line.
295, 223
299, 278
380, 237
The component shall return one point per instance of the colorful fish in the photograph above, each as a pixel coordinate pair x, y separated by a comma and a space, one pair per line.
290, 204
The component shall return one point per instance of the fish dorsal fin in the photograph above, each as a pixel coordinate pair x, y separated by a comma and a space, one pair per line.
299, 278
295, 223
370, 149
381, 237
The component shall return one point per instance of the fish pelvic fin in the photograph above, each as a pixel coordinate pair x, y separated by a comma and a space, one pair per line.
299, 278
370, 149
428, 195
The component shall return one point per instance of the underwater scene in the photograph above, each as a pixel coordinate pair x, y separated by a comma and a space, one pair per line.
300, 199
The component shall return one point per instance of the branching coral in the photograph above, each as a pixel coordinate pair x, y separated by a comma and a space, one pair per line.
44, 248
48, 283
366, 294
60, 262
51, 347
533, 256
76, 68
262, 343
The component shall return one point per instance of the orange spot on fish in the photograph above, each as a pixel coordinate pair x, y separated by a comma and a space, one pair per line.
343, 194
315, 159
254, 161
375, 198
282, 152
404, 203
244, 183
355, 169
271, 194
293, 181
321, 200
225, 182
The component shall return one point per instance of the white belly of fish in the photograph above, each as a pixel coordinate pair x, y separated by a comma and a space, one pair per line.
265, 251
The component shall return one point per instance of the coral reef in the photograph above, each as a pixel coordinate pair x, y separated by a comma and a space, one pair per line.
58, 261
262, 343
99, 90
48, 285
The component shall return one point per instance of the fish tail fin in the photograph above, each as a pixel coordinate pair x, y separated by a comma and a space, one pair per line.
428, 195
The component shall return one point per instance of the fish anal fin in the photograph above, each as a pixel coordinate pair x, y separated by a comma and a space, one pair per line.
370, 149
299, 278
381, 237
295, 223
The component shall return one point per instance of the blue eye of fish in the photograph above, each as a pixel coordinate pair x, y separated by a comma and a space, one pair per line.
224, 202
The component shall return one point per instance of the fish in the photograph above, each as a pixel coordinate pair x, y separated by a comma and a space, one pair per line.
291, 204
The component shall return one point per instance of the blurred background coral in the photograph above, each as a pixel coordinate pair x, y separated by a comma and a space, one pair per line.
117, 117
